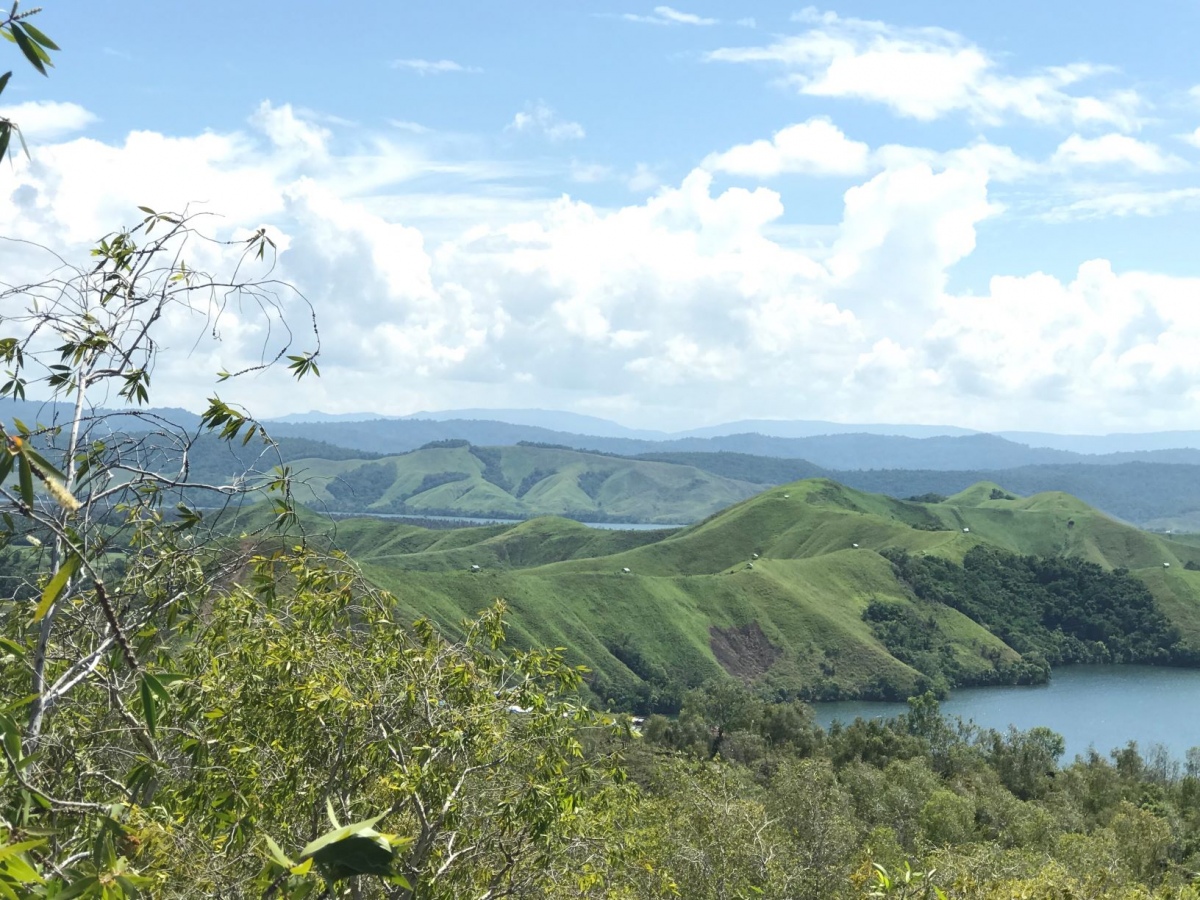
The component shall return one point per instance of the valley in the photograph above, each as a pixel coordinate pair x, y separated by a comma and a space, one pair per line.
812, 590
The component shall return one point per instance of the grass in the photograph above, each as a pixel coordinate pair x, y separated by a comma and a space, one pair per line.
522, 482
806, 589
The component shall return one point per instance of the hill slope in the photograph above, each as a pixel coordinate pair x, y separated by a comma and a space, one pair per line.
813, 589
457, 479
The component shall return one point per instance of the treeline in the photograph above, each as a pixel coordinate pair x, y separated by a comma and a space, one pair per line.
744, 798
1051, 610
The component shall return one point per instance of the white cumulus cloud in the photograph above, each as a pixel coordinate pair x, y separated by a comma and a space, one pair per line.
928, 73
47, 119
815, 147
685, 299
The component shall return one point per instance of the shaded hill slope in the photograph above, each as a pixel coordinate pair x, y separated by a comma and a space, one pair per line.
457, 479
774, 590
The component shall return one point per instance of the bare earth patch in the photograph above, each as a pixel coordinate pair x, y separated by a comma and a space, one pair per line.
744, 652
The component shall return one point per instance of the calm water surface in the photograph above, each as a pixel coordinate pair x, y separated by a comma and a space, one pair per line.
1090, 706
469, 521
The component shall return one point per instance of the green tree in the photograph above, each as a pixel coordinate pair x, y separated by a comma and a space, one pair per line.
474, 758
947, 818
1026, 760
112, 575
723, 705
813, 812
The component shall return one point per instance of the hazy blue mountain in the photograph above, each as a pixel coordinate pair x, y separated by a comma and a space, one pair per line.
826, 444
551, 419
1107, 443
799, 428
594, 426
315, 415
35, 412
847, 451
577, 423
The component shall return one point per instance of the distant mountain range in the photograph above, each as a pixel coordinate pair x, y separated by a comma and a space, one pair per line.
593, 426
1153, 488
970, 452
829, 444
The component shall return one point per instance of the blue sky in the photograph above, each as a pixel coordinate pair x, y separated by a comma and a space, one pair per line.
955, 213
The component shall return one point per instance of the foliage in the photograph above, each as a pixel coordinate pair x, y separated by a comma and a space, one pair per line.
921, 807
362, 485
36, 47
189, 709
100, 577
493, 470
1063, 609
474, 758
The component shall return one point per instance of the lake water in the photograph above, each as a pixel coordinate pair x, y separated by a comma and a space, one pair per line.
470, 521
1090, 706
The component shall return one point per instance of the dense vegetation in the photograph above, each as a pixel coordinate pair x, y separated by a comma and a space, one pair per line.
762, 804
1054, 610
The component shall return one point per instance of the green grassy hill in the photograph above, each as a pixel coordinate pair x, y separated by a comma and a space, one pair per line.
797, 588
458, 479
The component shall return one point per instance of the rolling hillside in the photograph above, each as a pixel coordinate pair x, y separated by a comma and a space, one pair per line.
797, 589
457, 479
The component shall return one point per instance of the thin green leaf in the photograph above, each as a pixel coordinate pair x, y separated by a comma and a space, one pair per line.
157, 686
4, 81
40, 461
6, 130
11, 735
21, 847
26, 475
149, 706
340, 834
303, 868
277, 853
38, 36
14, 705
21, 871
80, 887
32, 51
55, 588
